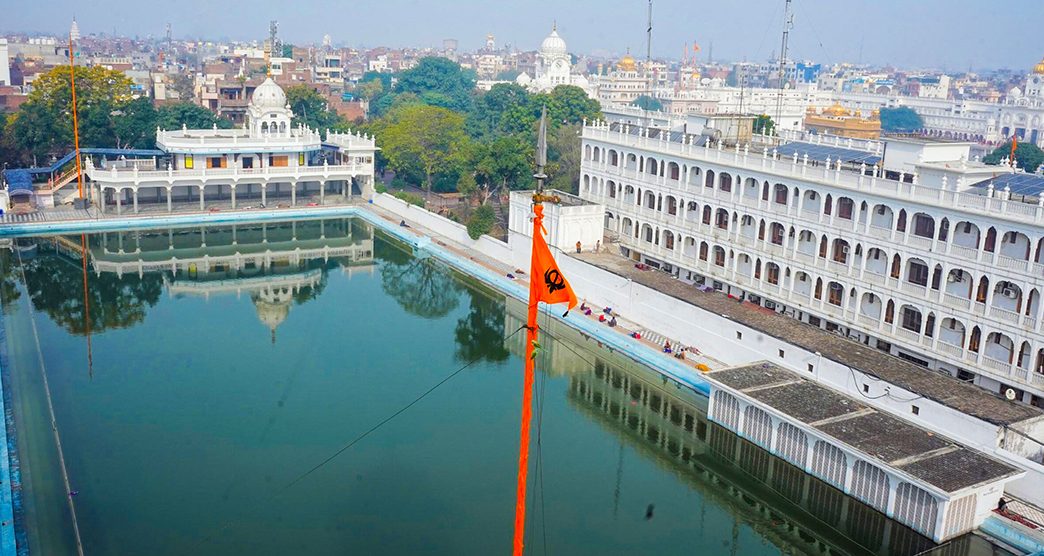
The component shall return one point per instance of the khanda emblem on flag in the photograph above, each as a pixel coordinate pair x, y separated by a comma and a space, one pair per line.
553, 279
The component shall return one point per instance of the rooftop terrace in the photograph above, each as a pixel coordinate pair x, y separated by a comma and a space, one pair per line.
935, 460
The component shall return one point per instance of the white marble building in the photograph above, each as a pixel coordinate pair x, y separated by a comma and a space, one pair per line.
554, 67
926, 268
268, 161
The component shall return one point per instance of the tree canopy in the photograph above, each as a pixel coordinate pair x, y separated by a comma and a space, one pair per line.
190, 115
312, 110
440, 82
424, 140
900, 120
646, 102
1028, 155
764, 124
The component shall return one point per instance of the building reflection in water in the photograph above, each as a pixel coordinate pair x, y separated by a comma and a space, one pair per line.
668, 424
276, 264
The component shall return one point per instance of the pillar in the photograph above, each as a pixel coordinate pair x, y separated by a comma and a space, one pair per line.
322, 191
264, 188
233, 196
134, 194
119, 205
170, 207
202, 196
293, 193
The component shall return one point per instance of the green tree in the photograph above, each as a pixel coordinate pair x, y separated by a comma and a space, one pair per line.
501, 163
496, 110
568, 104
900, 120
1028, 155
764, 124
564, 155
187, 114
424, 139
442, 79
369, 90
646, 102
312, 110
481, 221
134, 125
466, 184
43, 124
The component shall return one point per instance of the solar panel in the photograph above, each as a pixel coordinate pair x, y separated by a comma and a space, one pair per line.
1020, 184
820, 153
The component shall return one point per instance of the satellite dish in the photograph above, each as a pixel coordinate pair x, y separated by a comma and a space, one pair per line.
1010, 394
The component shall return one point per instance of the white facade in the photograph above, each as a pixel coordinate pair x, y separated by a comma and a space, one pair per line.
567, 223
946, 278
5, 65
269, 158
554, 67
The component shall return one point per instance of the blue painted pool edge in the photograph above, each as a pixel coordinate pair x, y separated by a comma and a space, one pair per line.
1014, 535
8, 539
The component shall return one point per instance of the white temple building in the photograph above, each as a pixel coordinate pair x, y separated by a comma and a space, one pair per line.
269, 160
554, 67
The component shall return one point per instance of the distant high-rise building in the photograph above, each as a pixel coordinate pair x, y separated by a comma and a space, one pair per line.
449, 44
5, 68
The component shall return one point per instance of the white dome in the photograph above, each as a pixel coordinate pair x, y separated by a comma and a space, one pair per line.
268, 95
553, 44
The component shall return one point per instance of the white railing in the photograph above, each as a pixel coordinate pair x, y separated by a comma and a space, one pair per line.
996, 364
957, 352
956, 254
766, 161
1004, 315
957, 301
132, 175
909, 335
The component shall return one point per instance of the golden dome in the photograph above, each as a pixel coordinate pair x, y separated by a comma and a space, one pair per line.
1039, 68
696, 74
836, 110
626, 63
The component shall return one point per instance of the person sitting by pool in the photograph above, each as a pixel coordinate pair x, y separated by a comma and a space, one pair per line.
667, 347
601, 318
612, 322
583, 305
608, 310
404, 224
587, 311
636, 335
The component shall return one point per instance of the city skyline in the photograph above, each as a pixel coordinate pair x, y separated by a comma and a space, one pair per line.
928, 34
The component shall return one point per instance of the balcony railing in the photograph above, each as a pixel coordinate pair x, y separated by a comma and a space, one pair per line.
135, 176
766, 161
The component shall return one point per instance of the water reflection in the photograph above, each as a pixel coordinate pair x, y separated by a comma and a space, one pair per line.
793, 510
275, 264
419, 284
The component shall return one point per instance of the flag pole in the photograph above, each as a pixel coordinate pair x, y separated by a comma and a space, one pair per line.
74, 33
531, 339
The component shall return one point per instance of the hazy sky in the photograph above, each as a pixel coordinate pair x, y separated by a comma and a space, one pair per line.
949, 34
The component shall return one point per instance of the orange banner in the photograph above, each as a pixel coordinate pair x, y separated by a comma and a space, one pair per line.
547, 284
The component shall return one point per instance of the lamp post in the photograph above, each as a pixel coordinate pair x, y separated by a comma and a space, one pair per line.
74, 34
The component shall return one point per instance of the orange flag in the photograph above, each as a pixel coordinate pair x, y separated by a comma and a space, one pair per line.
547, 283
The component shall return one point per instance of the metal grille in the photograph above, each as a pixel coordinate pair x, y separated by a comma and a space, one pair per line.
916, 508
960, 516
830, 464
757, 427
726, 410
870, 484
792, 444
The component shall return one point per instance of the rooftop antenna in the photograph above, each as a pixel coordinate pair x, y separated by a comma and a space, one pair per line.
648, 65
788, 22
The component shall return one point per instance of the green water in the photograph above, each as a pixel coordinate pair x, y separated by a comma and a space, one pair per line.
216, 385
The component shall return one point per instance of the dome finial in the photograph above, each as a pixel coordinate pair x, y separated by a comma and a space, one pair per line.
554, 24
